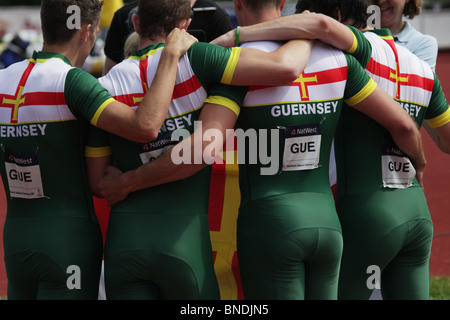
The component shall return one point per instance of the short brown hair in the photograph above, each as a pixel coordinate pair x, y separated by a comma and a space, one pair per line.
412, 8
160, 17
351, 11
54, 17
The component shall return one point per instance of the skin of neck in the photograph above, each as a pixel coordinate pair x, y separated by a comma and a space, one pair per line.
248, 18
396, 27
266, 15
75, 50
67, 51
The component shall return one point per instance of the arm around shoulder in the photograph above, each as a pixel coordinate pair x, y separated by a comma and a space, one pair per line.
143, 124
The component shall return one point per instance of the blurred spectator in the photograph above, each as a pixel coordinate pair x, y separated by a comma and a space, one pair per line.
393, 13
15, 51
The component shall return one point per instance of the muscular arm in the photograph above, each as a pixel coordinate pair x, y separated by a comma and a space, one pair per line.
253, 67
116, 186
97, 168
401, 126
279, 67
440, 136
143, 124
296, 26
437, 124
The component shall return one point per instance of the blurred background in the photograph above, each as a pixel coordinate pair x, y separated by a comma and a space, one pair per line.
20, 27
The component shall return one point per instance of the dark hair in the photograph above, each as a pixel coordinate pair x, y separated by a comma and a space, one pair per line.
160, 17
258, 5
54, 18
350, 10
412, 8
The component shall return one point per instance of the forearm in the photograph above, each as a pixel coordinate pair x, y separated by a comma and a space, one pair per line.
409, 140
155, 104
96, 170
298, 26
284, 65
185, 158
440, 136
404, 131
162, 170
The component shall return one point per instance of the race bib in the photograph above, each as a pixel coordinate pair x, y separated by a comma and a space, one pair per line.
397, 170
152, 150
24, 176
302, 147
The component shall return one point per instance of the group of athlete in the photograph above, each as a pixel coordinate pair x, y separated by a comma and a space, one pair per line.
294, 240
289, 245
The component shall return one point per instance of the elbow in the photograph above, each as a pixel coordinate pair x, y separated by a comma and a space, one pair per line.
325, 26
145, 134
288, 71
151, 135
290, 74
408, 128
404, 131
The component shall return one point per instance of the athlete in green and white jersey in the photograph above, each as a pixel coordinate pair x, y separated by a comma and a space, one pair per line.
44, 177
398, 235
52, 240
289, 239
169, 223
383, 211
414, 86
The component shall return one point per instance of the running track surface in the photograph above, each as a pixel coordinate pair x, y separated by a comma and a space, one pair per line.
436, 184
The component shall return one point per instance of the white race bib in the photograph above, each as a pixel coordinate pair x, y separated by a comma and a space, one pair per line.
302, 147
397, 170
24, 176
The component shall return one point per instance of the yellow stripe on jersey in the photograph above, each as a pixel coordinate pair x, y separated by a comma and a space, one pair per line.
440, 120
354, 45
364, 93
143, 57
100, 110
231, 66
92, 152
227, 103
34, 61
387, 37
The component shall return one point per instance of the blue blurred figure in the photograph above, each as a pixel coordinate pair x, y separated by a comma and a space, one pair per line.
14, 52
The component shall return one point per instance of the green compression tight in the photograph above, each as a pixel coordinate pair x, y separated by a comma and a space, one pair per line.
159, 256
395, 239
282, 255
52, 258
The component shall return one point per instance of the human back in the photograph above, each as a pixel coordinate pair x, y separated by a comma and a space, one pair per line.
287, 203
412, 89
45, 119
303, 103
